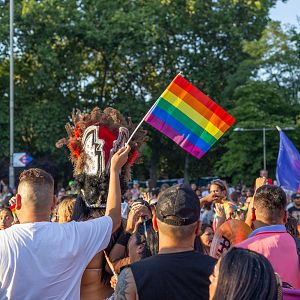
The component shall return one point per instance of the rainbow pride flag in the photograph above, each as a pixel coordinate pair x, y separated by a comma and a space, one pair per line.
189, 117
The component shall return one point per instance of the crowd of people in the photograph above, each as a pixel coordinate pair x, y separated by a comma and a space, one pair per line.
161, 246
100, 239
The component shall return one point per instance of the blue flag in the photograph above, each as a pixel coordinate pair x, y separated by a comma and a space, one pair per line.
288, 164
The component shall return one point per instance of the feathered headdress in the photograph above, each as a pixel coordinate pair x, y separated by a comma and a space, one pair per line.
92, 139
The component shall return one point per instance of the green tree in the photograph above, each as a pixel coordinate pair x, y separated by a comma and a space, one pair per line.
258, 105
78, 54
276, 56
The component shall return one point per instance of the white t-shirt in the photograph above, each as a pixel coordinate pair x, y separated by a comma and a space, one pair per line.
46, 260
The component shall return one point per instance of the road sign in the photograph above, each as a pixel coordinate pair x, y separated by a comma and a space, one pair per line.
21, 159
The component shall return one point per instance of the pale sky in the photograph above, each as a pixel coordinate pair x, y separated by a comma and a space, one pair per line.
286, 12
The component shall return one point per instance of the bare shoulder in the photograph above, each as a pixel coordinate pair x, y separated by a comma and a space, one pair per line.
126, 288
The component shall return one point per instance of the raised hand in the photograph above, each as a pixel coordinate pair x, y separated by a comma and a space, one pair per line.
138, 213
219, 210
120, 158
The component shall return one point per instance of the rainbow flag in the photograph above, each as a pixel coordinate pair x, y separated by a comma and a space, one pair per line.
189, 117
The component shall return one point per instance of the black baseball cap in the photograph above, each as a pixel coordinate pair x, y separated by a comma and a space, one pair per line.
178, 206
296, 196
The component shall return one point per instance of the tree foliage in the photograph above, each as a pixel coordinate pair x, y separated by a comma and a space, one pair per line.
277, 59
79, 54
258, 105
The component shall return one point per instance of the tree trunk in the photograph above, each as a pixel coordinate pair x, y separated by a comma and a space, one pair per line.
154, 162
186, 169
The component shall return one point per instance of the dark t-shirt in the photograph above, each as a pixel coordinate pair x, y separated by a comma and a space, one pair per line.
295, 212
173, 276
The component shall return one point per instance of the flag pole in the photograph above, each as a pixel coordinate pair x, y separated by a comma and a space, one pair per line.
139, 125
278, 128
147, 114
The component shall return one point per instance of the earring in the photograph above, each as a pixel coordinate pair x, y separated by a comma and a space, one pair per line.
253, 216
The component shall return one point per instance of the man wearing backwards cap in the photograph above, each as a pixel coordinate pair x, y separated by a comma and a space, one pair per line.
177, 272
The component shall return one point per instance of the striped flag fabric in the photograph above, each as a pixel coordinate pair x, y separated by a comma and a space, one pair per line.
189, 117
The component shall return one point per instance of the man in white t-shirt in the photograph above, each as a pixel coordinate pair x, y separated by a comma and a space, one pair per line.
43, 260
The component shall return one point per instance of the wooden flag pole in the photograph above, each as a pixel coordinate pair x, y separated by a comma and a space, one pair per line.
139, 125
110, 265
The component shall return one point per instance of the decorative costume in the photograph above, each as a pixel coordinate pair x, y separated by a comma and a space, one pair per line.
92, 139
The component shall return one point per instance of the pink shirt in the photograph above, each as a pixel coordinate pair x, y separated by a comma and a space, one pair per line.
279, 248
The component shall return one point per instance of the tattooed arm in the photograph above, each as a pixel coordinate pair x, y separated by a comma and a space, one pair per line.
126, 288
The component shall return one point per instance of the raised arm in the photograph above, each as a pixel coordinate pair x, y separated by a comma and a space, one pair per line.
260, 181
113, 206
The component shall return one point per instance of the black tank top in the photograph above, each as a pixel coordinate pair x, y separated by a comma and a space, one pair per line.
173, 276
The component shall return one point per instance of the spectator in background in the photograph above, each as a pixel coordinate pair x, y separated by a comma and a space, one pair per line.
194, 187
249, 192
230, 189
139, 212
207, 214
203, 242
205, 190
5, 194
198, 193
65, 209
163, 187
294, 211
265, 174
6, 218
235, 197
142, 243
245, 275
218, 192
270, 237
60, 195
219, 189
292, 228
135, 191
243, 196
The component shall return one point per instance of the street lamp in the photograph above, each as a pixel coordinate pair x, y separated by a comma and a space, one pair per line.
264, 129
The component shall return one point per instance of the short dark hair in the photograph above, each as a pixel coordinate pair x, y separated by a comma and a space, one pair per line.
292, 226
38, 187
36, 176
247, 275
270, 201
